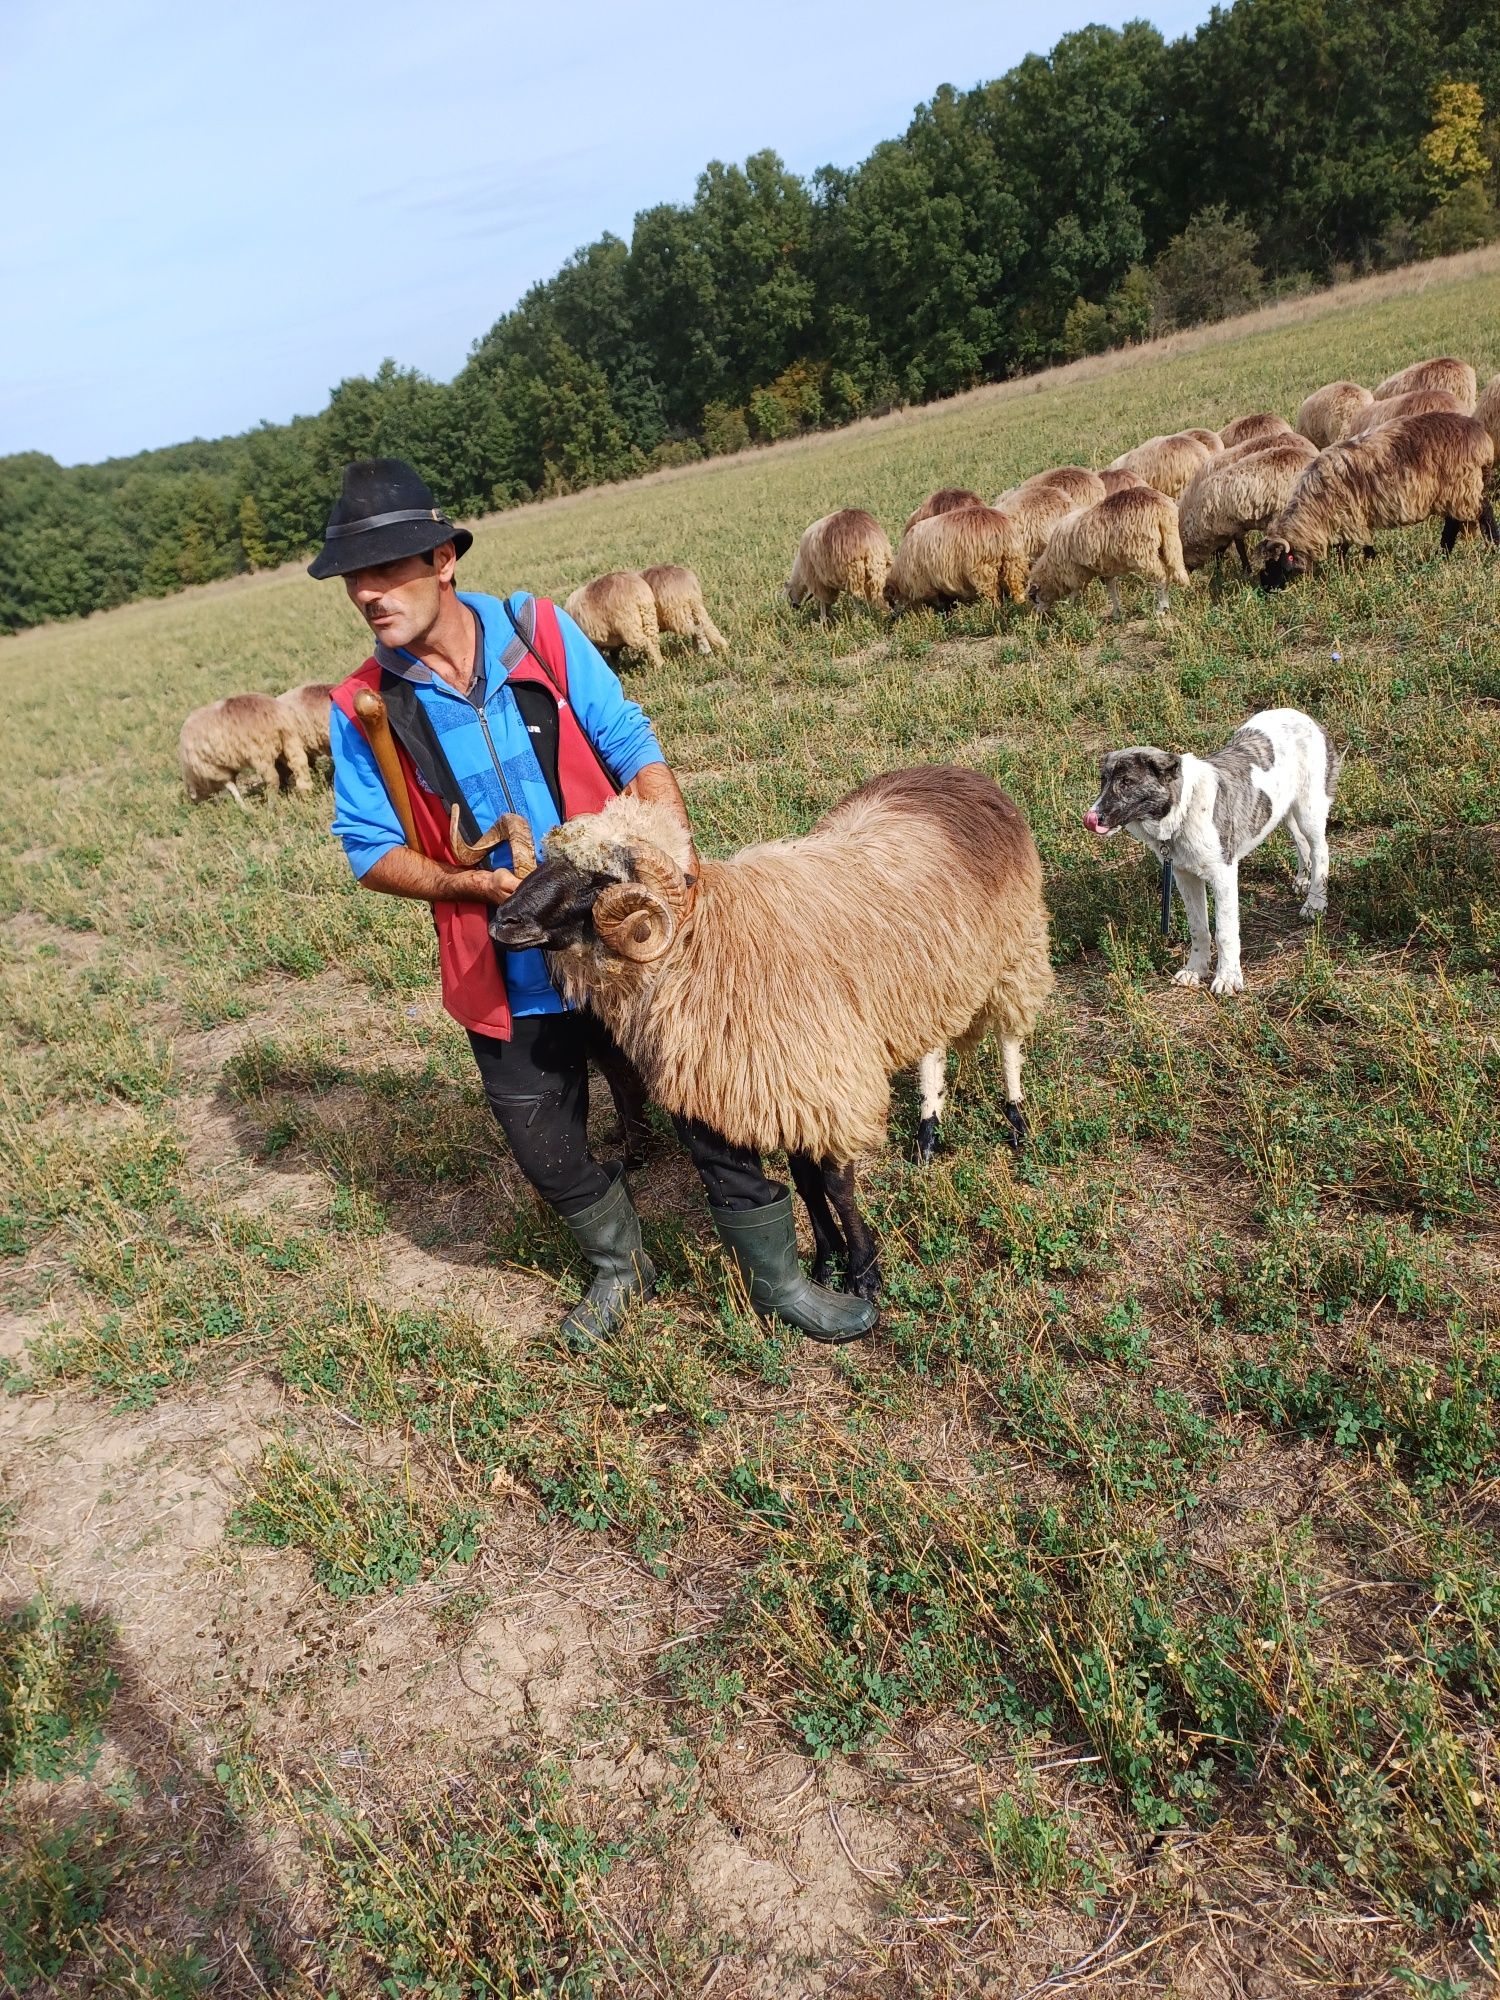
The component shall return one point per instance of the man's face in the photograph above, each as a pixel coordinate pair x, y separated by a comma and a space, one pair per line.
400, 600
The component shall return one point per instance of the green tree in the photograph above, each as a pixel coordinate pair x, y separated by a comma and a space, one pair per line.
1207, 272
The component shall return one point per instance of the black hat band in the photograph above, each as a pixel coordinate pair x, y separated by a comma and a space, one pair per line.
334, 534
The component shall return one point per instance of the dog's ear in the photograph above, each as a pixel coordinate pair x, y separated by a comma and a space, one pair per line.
1168, 766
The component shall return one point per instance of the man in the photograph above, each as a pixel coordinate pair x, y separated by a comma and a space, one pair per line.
497, 706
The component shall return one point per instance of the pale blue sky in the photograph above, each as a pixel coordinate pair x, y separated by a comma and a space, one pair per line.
212, 214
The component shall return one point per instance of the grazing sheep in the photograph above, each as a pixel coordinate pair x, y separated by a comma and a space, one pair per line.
846, 551
1212, 443
680, 607
1167, 463
1411, 403
1392, 477
1132, 533
945, 501
308, 706
241, 732
959, 558
1333, 412
1263, 424
1117, 479
773, 995
1446, 372
618, 613
1487, 411
1248, 486
1082, 487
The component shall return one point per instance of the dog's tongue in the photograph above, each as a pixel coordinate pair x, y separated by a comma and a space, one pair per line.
1091, 821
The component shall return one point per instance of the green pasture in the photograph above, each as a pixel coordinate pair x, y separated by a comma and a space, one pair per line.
1164, 1500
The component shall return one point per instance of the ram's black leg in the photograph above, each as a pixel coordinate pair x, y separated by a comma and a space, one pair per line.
862, 1271
1487, 526
830, 1248
1450, 534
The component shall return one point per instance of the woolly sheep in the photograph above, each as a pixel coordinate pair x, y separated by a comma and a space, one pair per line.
308, 706
240, 732
1332, 412
1446, 372
846, 551
680, 607
959, 558
1411, 403
1264, 424
1133, 533
1117, 479
944, 501
1395, 476
773, 996
618, 613
1237, 493
1211, 442
1166, 463
1082, 486
1487, 411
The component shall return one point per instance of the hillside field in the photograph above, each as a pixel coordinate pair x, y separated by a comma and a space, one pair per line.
1121, 1619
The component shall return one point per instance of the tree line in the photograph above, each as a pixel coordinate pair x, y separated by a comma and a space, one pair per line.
1117, 187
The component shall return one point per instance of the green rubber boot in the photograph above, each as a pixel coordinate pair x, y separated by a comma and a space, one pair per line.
763, 1242
609, 1235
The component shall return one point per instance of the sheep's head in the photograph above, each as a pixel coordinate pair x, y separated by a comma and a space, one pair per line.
1280, 564
605, 889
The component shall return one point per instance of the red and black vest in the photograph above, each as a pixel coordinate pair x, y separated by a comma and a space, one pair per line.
473, 982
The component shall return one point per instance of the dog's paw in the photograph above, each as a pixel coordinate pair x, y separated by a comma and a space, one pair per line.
1190, 975
1313, 908
1228, 982
1302, 882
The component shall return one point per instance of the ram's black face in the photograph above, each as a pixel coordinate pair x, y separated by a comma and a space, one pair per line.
1134, 785
553, 907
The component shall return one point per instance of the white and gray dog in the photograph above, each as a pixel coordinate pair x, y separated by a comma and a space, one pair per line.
1205, 814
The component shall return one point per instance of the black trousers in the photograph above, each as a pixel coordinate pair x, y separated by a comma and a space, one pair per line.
537, 1085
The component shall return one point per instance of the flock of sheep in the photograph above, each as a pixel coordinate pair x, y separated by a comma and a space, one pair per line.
1357, 461
1421, 444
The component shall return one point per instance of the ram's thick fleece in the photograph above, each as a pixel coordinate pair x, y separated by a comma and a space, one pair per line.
309, 707
1333, 412
1445, 372
847, 551
1132, 533
944, 501
1392, 477
1167, 463
1262, 424
1238, 493
618, 613
972, 554
806, 972
240, 732
680, 607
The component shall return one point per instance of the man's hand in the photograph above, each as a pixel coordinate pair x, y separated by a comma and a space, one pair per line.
404, 872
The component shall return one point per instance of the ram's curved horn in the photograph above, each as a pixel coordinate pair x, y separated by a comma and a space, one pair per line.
510, 826
634, 922
655, 869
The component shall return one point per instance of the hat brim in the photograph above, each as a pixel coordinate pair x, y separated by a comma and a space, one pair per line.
389, 544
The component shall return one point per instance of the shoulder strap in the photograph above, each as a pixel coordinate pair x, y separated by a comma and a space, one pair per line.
525, 637
413, 730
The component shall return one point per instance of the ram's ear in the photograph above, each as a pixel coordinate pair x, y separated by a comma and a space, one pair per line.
634, 922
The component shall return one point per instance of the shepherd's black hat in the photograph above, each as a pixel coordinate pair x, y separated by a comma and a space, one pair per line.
385, 511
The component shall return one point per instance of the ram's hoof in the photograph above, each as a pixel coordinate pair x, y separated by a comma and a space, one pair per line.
1015, 1117
927, 1133
865, 1284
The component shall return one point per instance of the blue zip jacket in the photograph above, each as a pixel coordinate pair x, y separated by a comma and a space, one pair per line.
510, 779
